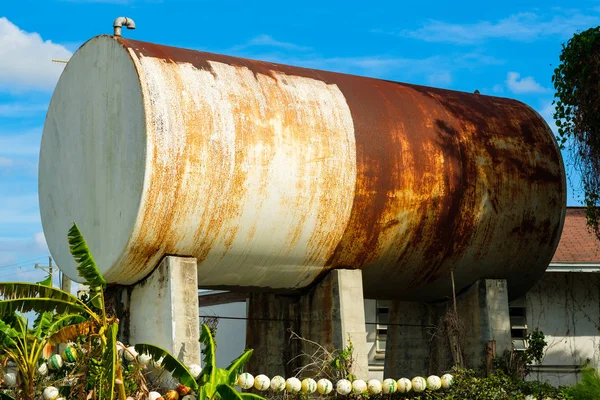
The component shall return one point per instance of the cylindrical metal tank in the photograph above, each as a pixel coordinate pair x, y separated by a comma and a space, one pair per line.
271, 175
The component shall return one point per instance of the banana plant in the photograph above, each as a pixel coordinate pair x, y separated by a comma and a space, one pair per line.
213, 383
24, 346
78, 317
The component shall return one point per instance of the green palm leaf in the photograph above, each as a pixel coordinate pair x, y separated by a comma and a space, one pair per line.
4, 396
15, 290
38, 304
62, 321
169, 363
42, 323
235, 368
210, 363
229, 393
109, 362
86, 266
7, 333
46, 282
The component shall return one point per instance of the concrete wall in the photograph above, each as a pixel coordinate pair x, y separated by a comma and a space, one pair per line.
566, 307
231, 333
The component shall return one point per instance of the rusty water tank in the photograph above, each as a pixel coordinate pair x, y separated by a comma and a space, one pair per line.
271, 175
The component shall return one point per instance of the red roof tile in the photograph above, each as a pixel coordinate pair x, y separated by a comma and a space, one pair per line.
577, 244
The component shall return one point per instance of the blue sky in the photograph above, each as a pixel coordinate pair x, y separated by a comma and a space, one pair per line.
506, 48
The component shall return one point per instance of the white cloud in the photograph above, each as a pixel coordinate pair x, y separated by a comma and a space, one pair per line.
26, 59
516, 84
20, 144
19, 209
18, 110
418, 70
498, 88
547, 112
268, 41
522, 27
443, 78
40, 241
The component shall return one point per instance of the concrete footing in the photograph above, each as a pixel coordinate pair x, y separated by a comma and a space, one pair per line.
331, 315
424, 338
162, 309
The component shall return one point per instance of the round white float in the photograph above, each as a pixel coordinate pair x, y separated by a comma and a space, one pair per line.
278, 383
389, 386
324, 386
308, 385
293, 385
262, 382
404, 385
434, 382
245, 380
343, 387
446, 381
374, 386
419, 384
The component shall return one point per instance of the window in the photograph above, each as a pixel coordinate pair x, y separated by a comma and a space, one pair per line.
518, 324
383, 309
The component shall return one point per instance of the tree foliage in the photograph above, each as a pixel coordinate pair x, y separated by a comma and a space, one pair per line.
577, 115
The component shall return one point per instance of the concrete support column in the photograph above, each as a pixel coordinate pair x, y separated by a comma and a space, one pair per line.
484, 313
163, 309
270, 320
409, 334
420, 335
330, 314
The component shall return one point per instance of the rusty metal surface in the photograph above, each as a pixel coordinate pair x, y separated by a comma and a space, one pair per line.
272, 175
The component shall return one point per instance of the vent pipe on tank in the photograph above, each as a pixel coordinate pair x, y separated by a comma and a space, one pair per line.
122, 21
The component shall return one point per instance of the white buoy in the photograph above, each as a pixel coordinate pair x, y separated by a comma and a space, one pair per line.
50, 393
434, 382
262, 382
446, 381
153, 395
389, 386
278, 383
293, 385
245, 380
404, 385
324, 386
419, 384
130, 354
374, 386
359, 386
343, 387
43, 369
55, 362
308, 385
10, 379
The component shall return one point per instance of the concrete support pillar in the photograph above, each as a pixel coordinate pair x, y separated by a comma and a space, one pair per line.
409, 335
420, 335
163, 309
330, 314
270, 320
484, 313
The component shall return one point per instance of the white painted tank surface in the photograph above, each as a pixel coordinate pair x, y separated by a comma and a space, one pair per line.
271, 175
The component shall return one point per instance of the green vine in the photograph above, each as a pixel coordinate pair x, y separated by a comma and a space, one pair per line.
577, 115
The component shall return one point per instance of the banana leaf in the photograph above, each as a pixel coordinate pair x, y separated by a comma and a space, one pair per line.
169, 363
86, 266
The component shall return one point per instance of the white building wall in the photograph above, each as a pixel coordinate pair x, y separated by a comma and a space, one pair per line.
566, 307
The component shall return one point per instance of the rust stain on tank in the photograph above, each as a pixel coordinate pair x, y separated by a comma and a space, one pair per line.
403, 181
